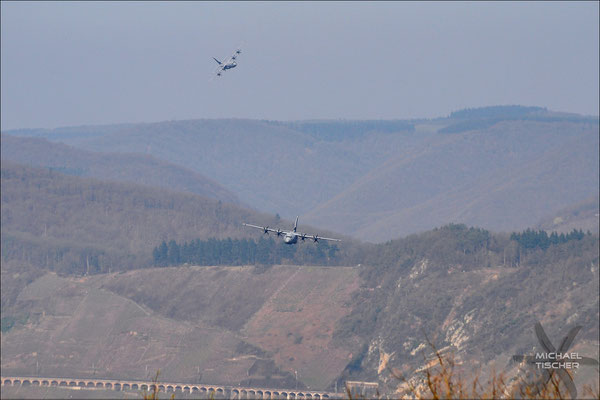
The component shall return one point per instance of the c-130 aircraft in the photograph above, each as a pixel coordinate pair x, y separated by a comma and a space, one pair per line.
228, 64
291, 237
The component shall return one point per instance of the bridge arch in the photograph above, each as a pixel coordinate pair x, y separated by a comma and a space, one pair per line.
220, 391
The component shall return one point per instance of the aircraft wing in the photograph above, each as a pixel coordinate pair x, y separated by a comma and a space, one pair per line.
316, 238
235, 55
219, 70
264, 228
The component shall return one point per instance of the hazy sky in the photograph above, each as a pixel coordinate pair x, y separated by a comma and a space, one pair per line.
70, 63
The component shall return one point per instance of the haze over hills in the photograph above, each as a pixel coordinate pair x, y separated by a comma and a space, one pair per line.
134, 168
583, 215
505, 177
66, 309
72, 224
503, 167
475, 295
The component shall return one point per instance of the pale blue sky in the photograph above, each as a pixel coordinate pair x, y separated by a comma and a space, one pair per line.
71, 63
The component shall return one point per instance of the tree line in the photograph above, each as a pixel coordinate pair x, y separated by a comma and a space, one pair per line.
242, 252
530, 239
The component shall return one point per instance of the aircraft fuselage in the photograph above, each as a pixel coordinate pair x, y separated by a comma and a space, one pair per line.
290, 238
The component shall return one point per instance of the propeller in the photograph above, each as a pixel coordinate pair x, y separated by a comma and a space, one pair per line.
303, 236
266, 230
315, 238
279, 232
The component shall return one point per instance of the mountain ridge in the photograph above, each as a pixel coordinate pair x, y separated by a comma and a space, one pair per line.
375, 182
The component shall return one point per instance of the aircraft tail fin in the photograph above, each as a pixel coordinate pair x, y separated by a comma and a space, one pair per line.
296, 224
218, 62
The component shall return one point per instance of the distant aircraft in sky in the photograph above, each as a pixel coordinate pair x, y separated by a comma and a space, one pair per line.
227, 64
291, 237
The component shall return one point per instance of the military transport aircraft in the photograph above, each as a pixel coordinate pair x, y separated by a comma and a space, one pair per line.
228, 64
291, 237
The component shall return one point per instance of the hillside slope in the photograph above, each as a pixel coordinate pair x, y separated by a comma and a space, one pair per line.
476, 297
235, 326
505, 177
134, 168
474, 294
268, 165
583, 215
499, 167
83, 224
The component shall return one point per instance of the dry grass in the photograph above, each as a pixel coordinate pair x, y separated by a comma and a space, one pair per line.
442, 379
153, 394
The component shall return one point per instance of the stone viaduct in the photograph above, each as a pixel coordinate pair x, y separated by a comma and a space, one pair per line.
220, 391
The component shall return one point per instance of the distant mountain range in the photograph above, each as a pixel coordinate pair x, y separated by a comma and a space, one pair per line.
474, 295
70, 223
80, 220
74, 224
136, 168
583, 215
502, 168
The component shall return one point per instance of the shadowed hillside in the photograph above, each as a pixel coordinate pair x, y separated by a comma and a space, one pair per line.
271, 167
505, 177
583, 215
473, 293
134, 168
500, 167
214, 329
84, 226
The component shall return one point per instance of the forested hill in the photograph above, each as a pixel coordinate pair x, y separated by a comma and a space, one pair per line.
135, 168
475, 295
73, 223
503, 168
